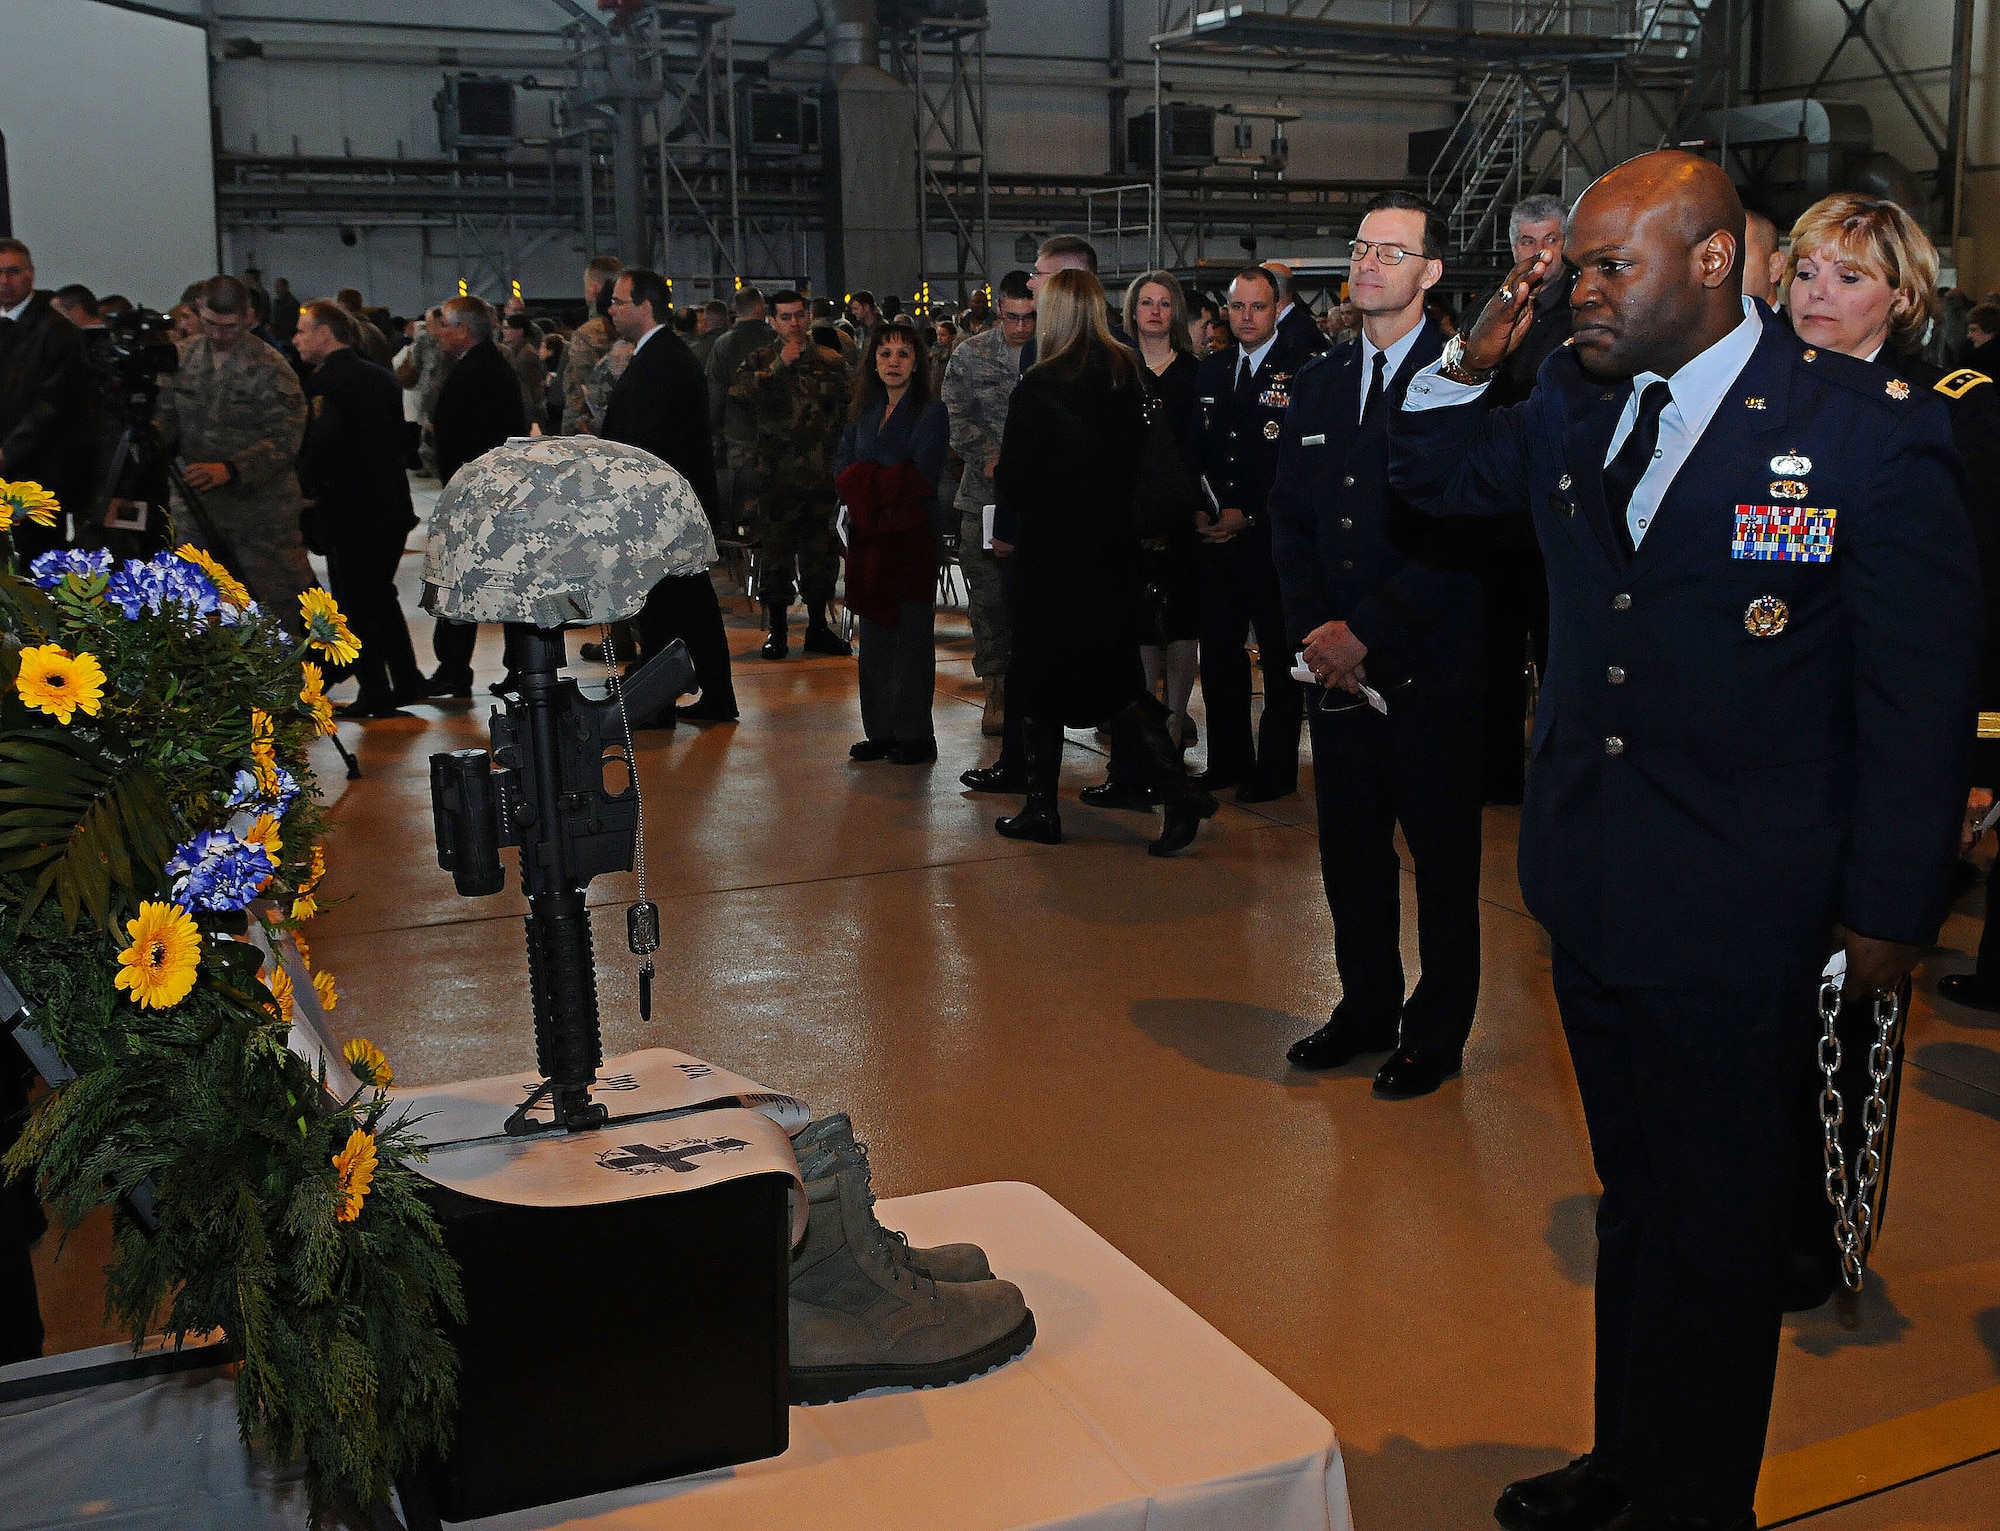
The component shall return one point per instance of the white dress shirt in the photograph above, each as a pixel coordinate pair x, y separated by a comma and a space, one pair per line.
1255, 358
640, 344
1698, 389
1398, 349
18, 309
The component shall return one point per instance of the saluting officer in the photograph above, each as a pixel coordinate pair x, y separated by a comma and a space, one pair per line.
1240, 400
1378, 593
1752, 744
1864, 282
351, 466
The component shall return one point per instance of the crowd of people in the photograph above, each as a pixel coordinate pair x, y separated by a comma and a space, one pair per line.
1756, 716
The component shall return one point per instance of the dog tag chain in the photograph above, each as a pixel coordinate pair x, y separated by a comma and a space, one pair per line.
642, 920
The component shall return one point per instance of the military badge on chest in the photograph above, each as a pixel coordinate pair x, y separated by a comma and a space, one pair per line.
1277, 394
1784, 533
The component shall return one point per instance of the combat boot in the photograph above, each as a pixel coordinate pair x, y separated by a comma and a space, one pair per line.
827, 1147
993, 716
820, 636
779, 644
861, 1319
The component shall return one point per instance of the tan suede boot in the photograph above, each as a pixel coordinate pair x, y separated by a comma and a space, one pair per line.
829, 1144
861, 1318
992, 720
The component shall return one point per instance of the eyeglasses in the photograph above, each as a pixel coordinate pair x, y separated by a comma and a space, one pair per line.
621, 303
1388, 255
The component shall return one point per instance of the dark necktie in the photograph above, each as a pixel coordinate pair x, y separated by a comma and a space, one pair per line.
1623, 472
1245, 376
1371, 407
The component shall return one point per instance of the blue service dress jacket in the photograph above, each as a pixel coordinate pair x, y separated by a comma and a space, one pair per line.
1350, 549
1758, 724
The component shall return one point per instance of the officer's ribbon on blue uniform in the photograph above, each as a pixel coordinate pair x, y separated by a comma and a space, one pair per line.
1783, 533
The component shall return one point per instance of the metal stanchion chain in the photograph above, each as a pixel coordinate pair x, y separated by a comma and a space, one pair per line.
1854, 1214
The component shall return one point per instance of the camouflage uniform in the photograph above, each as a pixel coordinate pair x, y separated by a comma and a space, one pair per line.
587, 345
433, 367
783, 425
977, 386
603, 378
244, 407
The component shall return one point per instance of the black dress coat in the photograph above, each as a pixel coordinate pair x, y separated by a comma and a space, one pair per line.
478, 408
1173, 570
661, 404
1734, 751
351, 460
1068, 459
42, 383
1972, 398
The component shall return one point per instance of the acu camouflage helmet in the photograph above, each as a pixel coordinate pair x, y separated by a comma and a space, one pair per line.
555, 529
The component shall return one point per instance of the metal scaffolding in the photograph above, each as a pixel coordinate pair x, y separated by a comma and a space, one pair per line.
943, 62
1552, 91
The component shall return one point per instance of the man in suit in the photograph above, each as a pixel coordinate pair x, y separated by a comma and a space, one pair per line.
661, 404
478, 408
351, 469
42, 387
1752, 745
1240, 400
1511, 578
1295, 320
1377, 593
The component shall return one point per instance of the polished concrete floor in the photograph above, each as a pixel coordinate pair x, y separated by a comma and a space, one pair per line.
1112, 1028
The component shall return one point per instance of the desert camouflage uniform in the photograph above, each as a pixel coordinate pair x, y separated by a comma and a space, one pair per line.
244, 407
587, 345
783, 424
556, 529
977, 386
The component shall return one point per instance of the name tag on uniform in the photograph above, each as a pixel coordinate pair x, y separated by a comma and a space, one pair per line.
1783, 534
1313, 441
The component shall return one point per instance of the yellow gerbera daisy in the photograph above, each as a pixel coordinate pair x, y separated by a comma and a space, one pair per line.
369, 1066
329, 996
60, 683
27, 499
312, 697
305, 951
159, 966
263, 752
326, 628
265, 833
354, 1169
227, 585
280, 985
315, 871
304, 907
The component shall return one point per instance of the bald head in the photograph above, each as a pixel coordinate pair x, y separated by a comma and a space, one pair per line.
1695, 194
1657, 243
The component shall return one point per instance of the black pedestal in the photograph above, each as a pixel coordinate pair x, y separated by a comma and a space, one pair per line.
610, 1345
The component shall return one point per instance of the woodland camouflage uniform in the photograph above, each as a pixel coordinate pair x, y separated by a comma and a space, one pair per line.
783, 426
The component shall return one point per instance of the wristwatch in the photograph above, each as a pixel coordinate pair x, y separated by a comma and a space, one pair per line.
1450, 364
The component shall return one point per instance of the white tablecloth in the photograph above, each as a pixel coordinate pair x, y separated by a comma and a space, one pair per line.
1129, 1414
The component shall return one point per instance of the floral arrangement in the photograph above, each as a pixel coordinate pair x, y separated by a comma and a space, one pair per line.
156, 798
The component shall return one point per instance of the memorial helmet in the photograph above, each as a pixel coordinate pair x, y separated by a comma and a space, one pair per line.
554, 529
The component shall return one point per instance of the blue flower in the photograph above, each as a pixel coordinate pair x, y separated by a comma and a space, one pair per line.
243, 793
85, 563
217, 872
163, 581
